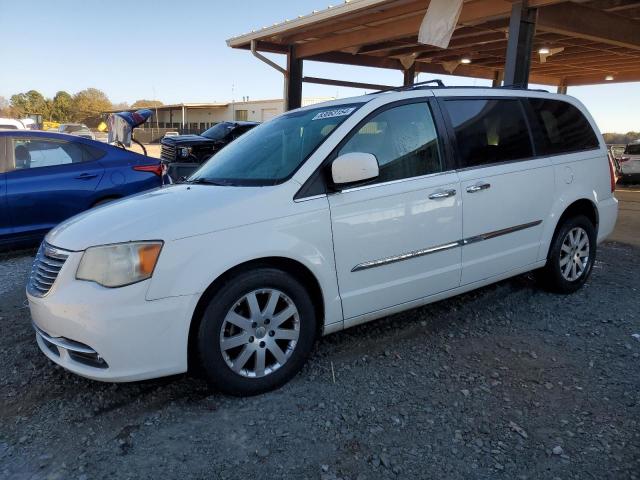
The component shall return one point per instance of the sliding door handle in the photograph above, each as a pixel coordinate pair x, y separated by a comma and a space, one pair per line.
478, 187
442, 194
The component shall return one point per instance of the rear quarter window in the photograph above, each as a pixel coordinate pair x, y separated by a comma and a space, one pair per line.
561, 128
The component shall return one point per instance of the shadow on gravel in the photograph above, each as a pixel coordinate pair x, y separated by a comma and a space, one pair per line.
507, 381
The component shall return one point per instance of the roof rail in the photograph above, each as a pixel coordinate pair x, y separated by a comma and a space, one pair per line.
439, 83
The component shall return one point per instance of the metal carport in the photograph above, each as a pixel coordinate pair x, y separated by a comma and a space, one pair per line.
552, 42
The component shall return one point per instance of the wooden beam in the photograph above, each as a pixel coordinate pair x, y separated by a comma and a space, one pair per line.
576, 20
354, 20
475, 11
344, 83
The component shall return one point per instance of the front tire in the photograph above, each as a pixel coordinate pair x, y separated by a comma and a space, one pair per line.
257, 332
571, 256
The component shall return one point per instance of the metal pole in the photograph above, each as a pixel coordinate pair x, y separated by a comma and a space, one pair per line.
522, 26
293, 81
409, 75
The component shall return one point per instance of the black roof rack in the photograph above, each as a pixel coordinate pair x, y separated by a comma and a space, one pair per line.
437, 83
415, 86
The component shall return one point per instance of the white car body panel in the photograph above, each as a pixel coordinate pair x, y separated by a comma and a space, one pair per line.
142, 330
385, 220
519, 196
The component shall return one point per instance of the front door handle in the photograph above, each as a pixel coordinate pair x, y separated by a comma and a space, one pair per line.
478, 187
442, 194
86, 176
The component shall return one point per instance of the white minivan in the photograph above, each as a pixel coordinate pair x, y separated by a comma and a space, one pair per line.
320, 219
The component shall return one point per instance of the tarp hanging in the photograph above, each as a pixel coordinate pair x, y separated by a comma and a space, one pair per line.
439, 22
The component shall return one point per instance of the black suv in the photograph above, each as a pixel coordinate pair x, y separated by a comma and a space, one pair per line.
185, 153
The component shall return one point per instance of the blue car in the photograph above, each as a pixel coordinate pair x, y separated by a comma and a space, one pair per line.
46, 178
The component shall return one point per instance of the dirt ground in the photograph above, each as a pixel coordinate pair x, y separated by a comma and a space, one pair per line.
153, 149
504, 382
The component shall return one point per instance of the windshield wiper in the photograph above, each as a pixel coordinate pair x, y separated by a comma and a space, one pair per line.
206, 181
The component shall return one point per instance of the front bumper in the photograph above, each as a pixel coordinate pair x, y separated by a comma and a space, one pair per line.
113, 334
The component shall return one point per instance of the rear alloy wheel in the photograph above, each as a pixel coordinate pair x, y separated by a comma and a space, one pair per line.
574, 254
256, 332
571, 256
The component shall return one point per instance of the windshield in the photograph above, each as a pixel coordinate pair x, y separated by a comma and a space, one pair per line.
219, 131
633, 149
271, 152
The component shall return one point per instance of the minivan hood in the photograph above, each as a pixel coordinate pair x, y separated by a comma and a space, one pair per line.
167, 213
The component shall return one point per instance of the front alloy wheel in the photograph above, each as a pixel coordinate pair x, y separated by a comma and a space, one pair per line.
259, 333
256, 331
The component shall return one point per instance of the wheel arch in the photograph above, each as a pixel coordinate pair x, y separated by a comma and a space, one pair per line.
293, 267
582, 206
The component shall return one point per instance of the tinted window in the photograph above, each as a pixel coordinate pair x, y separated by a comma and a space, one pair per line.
38, 153
562, 128
632, 149
403, 139
489, 131
8, 127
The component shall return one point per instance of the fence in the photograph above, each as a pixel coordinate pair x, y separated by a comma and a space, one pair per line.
154, 135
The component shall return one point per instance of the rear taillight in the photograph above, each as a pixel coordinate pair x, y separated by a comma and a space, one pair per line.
612, 175
159, 169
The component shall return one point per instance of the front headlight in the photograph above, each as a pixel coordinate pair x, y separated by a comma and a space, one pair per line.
120, 264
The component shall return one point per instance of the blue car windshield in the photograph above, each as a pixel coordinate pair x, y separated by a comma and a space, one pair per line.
273, 151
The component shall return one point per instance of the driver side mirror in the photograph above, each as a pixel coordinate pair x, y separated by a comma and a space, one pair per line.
354, 167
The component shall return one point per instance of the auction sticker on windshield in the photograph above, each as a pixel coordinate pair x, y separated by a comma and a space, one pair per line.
338, 112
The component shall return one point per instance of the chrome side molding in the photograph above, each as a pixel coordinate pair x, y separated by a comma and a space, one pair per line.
446, 246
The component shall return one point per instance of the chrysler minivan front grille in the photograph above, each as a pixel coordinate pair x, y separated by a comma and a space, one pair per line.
46, 266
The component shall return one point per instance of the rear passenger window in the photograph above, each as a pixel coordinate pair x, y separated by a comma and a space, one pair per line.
403, 139
489, 131
562, 128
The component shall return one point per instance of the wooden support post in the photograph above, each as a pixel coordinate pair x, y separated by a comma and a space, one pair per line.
293, 81
522, 26
562, 88
410, 75
498, 77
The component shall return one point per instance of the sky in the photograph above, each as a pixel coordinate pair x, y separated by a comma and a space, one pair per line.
175, 51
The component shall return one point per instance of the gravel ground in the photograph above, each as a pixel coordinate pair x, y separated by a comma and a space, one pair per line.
504, 382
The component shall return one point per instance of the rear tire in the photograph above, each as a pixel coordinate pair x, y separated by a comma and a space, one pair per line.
256, 333
571, 256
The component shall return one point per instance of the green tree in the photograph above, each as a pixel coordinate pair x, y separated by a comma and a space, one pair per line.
88, 105
5, 108
19, 104
146, 104
31, 102
61, 107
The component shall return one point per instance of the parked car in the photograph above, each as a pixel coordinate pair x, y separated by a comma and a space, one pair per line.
77, 129
324, 218
629, 164
185, 153
171, 134
11, 124
48, 177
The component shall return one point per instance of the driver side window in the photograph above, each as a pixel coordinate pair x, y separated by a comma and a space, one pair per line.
403, 139
37, 153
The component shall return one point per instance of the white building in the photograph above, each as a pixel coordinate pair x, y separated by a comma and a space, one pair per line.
196, 117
